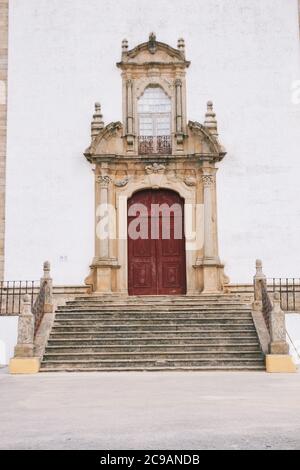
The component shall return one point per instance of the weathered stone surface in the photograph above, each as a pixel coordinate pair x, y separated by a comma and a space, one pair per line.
25, 346
187, 166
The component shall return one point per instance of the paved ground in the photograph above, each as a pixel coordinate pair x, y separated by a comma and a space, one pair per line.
209, 410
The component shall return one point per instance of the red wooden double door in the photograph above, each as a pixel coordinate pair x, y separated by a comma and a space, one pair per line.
156, 243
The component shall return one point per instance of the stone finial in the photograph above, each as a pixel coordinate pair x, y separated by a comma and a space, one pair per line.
258, 279
258, 267
152, 37
46, 269
210, 119
124, 45
258, 270
181, 45
97, 122
152, 44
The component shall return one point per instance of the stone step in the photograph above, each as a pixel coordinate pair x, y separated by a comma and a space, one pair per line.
144, 322
162, 303
161, 309
153, 348
144, 363
240, 302
249, 340
150, 316
214, 332
226, 368
182, 332
162, 298
132, 356
125, 327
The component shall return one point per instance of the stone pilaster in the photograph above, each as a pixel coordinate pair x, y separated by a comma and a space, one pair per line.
277, 328
3, 121
178, 95
101, 278
208, 181
24, 361
129, 115
103, 240
213, 271
25, 346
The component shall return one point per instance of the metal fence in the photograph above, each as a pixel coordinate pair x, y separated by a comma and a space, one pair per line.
289, 291
150, 145
11, 295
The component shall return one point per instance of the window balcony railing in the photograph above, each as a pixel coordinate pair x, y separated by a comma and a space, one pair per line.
150, 145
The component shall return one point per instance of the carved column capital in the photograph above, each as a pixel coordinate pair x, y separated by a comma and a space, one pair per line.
103, 180
208, 180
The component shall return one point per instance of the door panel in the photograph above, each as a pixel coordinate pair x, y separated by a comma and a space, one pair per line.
156, 265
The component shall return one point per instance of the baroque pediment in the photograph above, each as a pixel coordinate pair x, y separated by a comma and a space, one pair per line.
153, 52
108, 141
209, 142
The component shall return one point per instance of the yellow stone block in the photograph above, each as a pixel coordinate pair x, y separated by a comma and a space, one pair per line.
24, 365
280, 363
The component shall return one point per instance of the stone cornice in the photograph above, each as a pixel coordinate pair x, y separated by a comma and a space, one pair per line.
124, 158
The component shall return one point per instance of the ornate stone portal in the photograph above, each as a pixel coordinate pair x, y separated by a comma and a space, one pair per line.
155, 148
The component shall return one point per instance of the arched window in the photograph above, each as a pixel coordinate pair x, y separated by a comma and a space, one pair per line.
154, 118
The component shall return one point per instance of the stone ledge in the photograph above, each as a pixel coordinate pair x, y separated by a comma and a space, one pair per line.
24, 365
280, 363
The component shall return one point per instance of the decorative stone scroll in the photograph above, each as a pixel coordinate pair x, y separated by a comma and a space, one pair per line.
156, 168
190, 181
121, 183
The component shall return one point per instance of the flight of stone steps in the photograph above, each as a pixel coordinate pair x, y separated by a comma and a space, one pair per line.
212, 332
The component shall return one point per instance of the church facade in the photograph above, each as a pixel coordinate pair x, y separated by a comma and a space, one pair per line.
155, 158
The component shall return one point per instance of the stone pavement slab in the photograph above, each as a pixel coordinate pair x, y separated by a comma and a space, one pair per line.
175, 410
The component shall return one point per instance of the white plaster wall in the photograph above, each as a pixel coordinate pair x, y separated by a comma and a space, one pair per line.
8, 338
245, 56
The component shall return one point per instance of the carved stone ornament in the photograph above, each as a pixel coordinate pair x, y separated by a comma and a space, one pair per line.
208, 180
103, 180
155, 168
122, 183
190, 181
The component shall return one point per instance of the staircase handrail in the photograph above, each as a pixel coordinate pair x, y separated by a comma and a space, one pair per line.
273, 315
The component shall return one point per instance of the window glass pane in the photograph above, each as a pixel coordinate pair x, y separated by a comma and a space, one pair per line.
154, 108
154, 100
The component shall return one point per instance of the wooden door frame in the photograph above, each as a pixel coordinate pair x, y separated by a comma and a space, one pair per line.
158, 181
